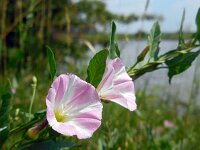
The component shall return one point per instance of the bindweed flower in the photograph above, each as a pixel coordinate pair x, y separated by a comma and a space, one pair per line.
117, 86
73, 107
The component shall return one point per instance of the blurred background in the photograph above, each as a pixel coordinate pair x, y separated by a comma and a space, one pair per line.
75, 30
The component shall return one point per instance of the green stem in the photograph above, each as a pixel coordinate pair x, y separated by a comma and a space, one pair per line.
38, 117
33, 95
24, 126
152, 66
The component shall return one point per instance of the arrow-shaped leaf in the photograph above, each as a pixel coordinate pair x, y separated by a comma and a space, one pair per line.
96, 67
153, 41
180, 63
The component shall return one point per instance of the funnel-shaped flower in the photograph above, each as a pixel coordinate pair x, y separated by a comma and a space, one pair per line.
117, 86
73, 107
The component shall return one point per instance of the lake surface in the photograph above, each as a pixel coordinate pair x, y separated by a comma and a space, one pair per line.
182, 85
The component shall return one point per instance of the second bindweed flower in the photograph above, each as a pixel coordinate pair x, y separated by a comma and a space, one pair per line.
117, 86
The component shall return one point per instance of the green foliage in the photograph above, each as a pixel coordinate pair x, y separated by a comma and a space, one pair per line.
47, 145
153, 41
52, 63
147, 60
4, 112
180, 63
198, 25
113, 47
177, 60
96, 67
181, 43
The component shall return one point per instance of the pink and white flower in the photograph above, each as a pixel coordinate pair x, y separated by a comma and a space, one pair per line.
117, 86
73, 107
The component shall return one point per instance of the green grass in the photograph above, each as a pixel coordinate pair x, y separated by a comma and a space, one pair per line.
145, 129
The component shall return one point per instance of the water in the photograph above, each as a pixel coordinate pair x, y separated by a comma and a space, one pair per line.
181, 86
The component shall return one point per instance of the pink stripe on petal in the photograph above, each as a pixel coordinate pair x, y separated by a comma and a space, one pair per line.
81, 91
93, 113
94, 109
61, 87
82, 128
107, 78
125, 87
117, 65
87, 127
51, 95
50, 113
125, 100
65, 128
89, 97
83, 96
131, 106
122, 77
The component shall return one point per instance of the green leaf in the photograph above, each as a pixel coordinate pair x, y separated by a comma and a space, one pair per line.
96, 67
47, 145
4, 113
181, 43
180, 63
198, 25
136, 73
113, 47
52, 63
153, 41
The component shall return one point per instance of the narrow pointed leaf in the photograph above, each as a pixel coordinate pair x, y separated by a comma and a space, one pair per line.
198, 25
52, 63
181, 43
113, 47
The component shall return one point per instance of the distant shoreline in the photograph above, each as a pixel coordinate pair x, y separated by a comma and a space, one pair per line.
103, 37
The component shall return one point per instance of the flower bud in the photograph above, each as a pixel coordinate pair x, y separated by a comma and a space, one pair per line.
34, 132
34, 80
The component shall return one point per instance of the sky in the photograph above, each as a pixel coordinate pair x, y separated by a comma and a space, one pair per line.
170, 10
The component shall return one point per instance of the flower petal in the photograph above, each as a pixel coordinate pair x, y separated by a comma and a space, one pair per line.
117, 86
59, 86
77, 102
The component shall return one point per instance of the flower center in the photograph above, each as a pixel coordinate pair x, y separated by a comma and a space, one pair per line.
60, 116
